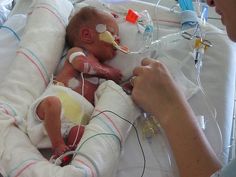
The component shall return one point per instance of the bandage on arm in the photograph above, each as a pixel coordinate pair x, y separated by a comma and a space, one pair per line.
75, 55
80, 62
88, 65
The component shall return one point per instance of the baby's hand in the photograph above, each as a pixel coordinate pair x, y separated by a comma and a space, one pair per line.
115, 75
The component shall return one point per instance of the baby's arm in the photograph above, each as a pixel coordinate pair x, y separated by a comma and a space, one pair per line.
90, 65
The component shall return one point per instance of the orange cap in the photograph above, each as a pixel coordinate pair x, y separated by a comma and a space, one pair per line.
132, 16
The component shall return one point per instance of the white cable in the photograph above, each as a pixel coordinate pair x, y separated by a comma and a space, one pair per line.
76, 137
58, 160
82, 89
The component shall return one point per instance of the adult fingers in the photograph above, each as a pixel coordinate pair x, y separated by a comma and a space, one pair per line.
132, 80
145, 64
138, 70
147, 61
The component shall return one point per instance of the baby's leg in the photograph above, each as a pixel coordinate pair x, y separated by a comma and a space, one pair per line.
49, 110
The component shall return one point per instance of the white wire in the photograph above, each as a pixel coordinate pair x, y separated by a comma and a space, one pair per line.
79, 127
58, 160
82, 77
77, 134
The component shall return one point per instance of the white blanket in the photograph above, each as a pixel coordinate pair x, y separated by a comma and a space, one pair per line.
10, 35
97, 153
30, 71
34, 64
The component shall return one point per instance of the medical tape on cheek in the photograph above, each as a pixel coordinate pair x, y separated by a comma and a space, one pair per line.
74, 55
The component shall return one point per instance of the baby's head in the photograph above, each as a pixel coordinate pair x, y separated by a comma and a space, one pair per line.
83, 31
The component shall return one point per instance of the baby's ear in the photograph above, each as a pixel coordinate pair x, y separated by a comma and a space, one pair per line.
86, 35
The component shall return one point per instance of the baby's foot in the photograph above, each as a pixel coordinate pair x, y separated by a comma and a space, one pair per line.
74, 136
58, 152
60, 149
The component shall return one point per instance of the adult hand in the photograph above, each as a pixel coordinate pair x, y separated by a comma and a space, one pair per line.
154, 89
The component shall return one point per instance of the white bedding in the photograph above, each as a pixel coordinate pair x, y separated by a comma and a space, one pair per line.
218, 81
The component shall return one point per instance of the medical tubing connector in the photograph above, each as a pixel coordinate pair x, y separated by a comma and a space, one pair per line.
145, 26
157, 17
168, 41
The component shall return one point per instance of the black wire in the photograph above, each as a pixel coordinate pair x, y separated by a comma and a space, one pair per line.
136, 131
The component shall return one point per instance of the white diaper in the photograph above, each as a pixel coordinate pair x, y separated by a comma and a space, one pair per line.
75, 110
